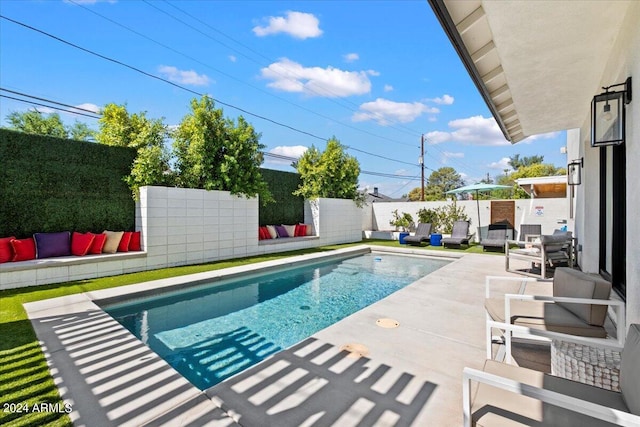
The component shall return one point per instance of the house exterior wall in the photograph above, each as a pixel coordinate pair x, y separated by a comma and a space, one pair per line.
624, 62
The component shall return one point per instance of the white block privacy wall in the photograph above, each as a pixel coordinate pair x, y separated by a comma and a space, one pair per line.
186, 226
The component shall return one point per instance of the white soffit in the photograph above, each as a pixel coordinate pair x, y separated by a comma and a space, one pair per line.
540, 61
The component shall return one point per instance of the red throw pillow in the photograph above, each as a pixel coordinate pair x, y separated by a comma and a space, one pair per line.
134, 243
81, 243
6, 250
265, 232
301, 230
260, 234
123, 246
23, 249
98, 243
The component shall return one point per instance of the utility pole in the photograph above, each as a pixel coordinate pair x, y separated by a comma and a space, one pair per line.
422, 164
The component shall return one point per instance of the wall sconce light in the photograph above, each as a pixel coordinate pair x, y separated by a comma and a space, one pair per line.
608, 115
574, 172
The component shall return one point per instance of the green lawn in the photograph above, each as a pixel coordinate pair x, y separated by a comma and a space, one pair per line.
24, 375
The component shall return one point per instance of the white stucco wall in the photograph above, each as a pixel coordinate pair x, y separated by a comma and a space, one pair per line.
554, 212
624, 62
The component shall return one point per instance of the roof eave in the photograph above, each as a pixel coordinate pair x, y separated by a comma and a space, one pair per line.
441, 12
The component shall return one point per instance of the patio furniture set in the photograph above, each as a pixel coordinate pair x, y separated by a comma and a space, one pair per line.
594, 379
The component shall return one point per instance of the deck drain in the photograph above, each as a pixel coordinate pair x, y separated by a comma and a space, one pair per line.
355, 350
305, 307
387, 323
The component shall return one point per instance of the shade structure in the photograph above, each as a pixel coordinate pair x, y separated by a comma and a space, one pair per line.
477, 188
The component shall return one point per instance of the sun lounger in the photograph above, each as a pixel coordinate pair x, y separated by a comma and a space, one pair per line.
459, 235
423, 234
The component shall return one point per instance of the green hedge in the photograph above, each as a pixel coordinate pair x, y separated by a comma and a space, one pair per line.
49, 184
287, 209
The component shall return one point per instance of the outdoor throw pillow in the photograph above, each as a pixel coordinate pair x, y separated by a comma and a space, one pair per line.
112, 242
123, 246
301, 230
291, 230
135, 244
81, 243
52, 244
23, 249
282, 232
272, 231
6, 251
265, 233
98, 243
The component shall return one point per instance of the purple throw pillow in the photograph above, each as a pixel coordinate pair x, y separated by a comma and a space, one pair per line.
282, 232
52, 244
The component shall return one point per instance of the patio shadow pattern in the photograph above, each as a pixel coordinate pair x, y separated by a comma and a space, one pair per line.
316, 383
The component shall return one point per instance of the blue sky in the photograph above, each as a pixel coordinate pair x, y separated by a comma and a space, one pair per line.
375, 74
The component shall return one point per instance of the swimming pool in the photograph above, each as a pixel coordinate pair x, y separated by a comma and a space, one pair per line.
213, 331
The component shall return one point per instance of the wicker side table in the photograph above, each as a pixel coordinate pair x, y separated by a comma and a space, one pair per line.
585, 364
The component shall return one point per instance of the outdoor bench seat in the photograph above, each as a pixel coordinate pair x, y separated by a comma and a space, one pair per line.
285, 240
62, 261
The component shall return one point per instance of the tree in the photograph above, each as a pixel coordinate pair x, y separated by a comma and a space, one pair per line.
215, 153
120, 128
516, 162
332, 173
439, 182
35, 122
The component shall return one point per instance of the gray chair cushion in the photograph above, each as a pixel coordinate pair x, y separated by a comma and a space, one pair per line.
553, 243
572, 283
630, 370
545, 316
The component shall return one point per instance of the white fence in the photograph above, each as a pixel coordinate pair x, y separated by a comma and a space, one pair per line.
550, 213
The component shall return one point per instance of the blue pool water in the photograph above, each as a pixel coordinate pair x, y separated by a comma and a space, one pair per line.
211, 332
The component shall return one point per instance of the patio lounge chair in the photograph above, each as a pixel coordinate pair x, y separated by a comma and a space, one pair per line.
549, 252
578, 307
528, 233
459, 235
512, 395
423, 234
496, 237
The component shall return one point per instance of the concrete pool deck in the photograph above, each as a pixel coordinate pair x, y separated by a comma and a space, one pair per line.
407, 375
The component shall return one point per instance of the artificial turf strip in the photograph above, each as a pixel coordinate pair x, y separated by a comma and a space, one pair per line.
24, 374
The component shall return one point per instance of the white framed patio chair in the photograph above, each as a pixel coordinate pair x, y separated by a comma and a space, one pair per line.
548, 252
578, 306
508, 395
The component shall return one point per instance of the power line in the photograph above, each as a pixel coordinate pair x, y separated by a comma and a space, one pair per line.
287, 75
115, 61
293, 159
48, 100
48, 106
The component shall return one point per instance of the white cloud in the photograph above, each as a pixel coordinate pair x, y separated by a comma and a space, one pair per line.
294, 151
90, 107
297, 24
501, 164
289, 76
446, 155
233, 58
350, 57
475, 130
388, 88
443, 100
385, 111
187, 77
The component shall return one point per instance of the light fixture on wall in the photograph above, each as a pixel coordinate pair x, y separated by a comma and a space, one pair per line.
608, 115
574, 172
